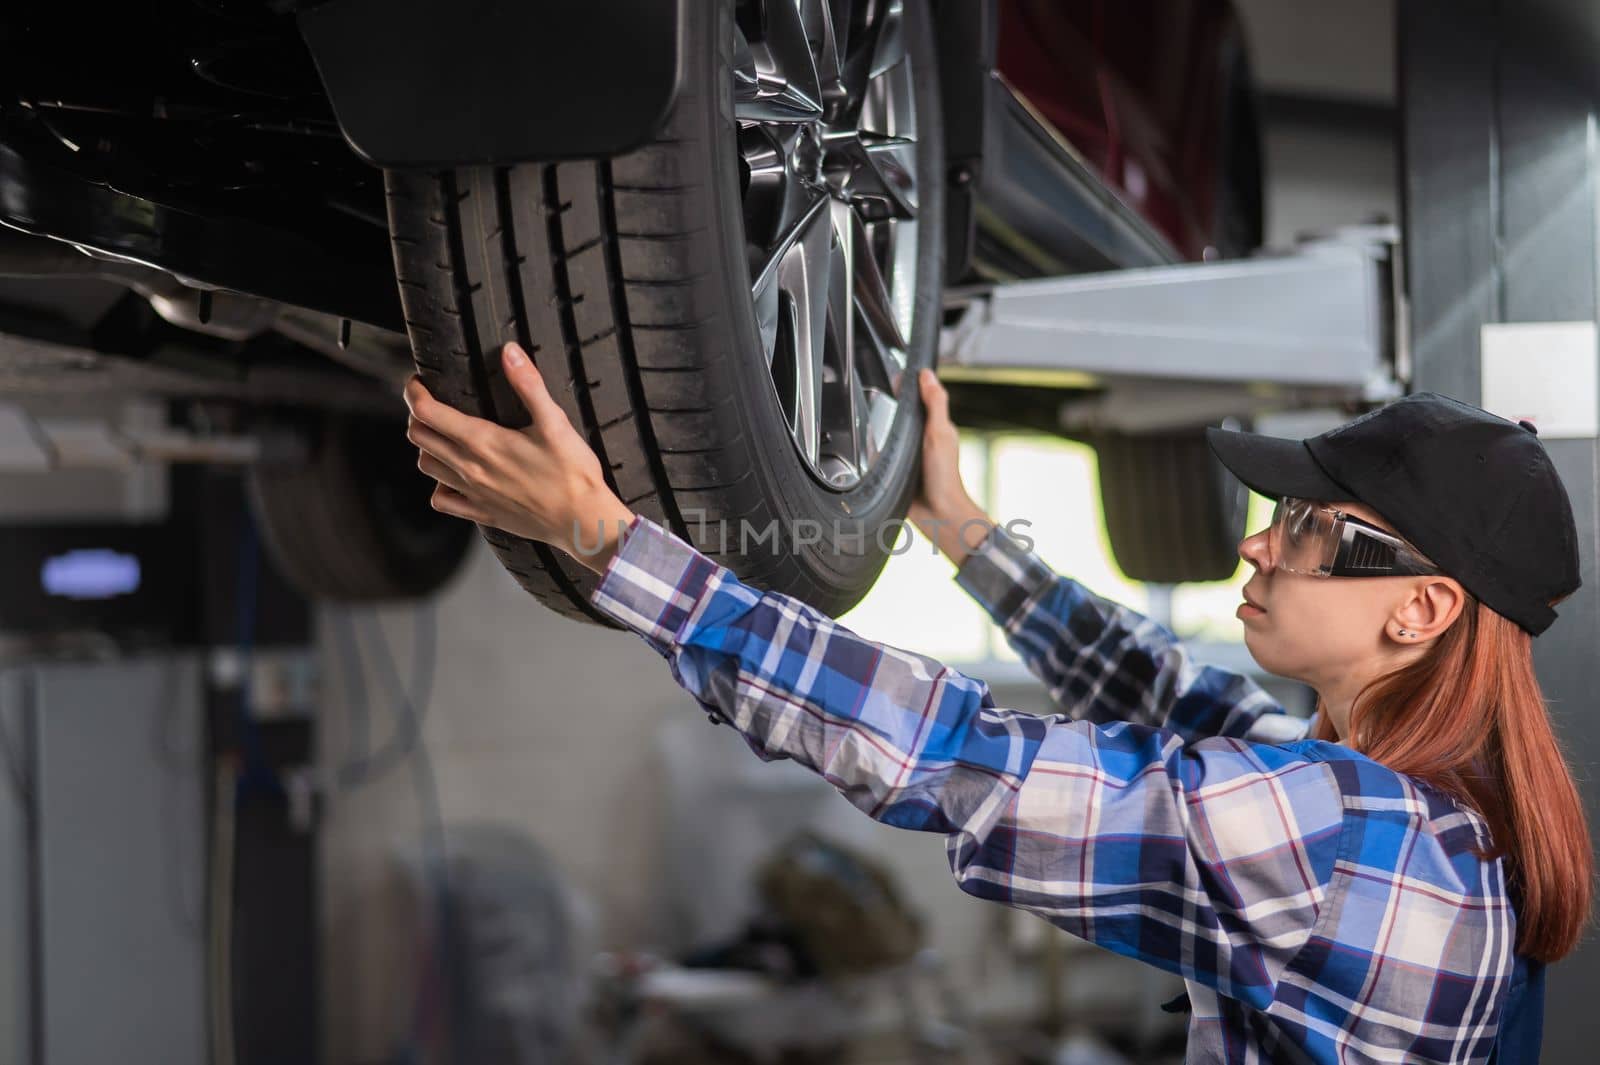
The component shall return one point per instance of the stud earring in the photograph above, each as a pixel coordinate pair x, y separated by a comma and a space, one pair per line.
1403, 632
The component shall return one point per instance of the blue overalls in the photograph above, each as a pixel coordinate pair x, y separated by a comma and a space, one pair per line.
1522, 1023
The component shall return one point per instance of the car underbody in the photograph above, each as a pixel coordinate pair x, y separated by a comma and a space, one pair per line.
208, 204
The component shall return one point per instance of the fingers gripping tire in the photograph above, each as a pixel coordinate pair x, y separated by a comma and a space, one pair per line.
629, 283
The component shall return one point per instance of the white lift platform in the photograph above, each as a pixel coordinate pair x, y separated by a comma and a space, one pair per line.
1172, 347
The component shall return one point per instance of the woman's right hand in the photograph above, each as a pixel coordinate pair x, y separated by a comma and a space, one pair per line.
942, 510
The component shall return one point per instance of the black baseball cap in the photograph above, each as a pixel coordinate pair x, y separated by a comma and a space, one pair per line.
1474, 492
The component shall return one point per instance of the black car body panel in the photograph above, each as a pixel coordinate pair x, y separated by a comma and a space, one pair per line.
430, 83
967, 34
344, 271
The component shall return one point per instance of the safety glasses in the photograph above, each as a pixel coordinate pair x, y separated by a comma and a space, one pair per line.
1320, 540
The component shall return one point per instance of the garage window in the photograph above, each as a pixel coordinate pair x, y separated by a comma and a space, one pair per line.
1053, 485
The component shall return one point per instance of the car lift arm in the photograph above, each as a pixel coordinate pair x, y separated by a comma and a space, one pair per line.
1316, 326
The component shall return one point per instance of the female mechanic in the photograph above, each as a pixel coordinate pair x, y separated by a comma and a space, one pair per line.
1382, 883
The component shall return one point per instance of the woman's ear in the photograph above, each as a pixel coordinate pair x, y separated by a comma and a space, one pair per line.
1430, 609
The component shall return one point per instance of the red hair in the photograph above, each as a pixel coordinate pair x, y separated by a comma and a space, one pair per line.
1469, 719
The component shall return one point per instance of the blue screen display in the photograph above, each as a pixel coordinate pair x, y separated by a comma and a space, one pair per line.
90, 573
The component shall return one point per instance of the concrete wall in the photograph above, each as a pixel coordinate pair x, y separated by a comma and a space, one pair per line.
1326, 73
1341, 51
1326, 176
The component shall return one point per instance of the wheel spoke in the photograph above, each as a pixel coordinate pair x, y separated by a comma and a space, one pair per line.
839, 12
870, 290
746, 78
902, 260
890, 171
880, 50
794, 233
860, 429
889, 42
877, 361
877, 420
839, 413
827, 49
768, 308
768, 188
842, 282
774, 274
781, 104
778, 82
808, 279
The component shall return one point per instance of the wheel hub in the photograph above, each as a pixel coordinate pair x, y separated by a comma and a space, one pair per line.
807, 156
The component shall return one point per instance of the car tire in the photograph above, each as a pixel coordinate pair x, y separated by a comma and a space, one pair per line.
1173, 513
354, 521
630, 283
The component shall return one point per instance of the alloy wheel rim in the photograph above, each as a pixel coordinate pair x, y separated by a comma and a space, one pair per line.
823, 95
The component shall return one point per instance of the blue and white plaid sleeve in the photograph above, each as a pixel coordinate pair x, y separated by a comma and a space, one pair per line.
1123, 834
1104, 662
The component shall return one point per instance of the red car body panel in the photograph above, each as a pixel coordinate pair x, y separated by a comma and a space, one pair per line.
1136, 87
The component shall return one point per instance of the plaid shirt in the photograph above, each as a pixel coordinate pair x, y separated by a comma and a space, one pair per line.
1318, 906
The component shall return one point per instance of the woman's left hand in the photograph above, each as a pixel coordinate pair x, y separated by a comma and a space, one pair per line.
543, 482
